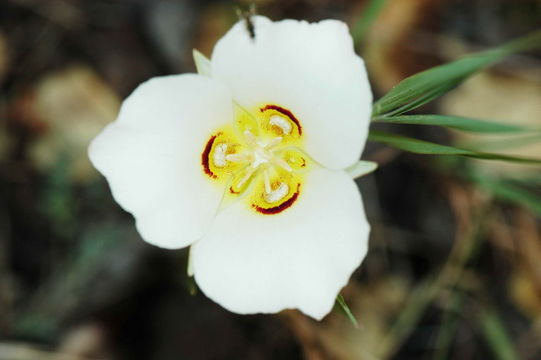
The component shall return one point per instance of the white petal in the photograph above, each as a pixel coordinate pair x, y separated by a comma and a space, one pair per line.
300, 258
151, 156
310, 69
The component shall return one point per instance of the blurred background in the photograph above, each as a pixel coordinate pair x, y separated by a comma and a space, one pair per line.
454, 267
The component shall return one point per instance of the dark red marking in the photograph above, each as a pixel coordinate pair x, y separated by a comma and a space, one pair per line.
205, 157
278, 209
285, 112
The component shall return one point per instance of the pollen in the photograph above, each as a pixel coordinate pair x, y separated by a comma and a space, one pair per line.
279, 120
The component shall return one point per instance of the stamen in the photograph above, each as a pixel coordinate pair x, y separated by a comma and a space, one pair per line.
281, 123
274, 142
238, 157
278, 194
285, 112
266, 179
246, 177
282, 163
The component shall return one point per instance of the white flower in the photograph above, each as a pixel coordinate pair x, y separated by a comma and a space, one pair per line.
245, 164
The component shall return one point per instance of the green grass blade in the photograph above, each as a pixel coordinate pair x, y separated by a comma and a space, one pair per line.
511, 193
421, 100
525, 43
517, 140
369, 15
416, 304
454, 122
428, 148
450, 74
341, 303
496, 336
414, 145
449, 325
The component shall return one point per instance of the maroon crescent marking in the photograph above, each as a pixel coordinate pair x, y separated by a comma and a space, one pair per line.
285, 112
205, 157
278, 209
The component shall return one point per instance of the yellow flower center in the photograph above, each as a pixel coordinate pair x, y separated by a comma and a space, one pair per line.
258, 157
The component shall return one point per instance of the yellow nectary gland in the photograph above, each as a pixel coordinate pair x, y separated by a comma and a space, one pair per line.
257, 154
284, 191
214, 156
280, 121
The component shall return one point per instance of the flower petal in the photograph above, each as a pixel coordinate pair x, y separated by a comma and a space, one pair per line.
151, 156
310, 69
299, 258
